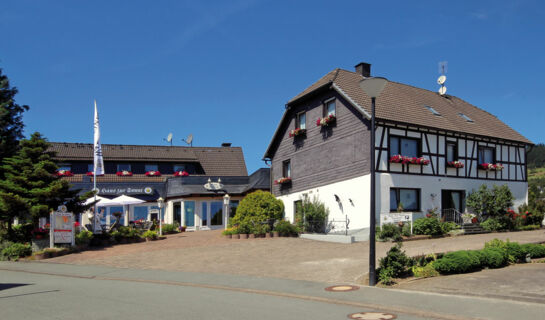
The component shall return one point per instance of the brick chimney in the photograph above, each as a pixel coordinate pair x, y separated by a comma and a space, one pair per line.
363, 69
226, 144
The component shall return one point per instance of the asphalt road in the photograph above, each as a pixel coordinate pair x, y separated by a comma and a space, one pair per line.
56, 291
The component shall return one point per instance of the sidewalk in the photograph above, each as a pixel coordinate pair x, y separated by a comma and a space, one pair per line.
422, 305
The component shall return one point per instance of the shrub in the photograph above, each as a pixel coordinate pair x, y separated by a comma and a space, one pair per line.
534, 250
151, 235
494, 257
260, 230
16, 251
285, 228
428, 226
389, 231
448, 226
229, 231
492, 202
257, 207
406, 229
426, 271
22, 232
385, 276
395, 263
458, 262
492, 224
84, 237
529, 227
169, 228
315, 215
513, 249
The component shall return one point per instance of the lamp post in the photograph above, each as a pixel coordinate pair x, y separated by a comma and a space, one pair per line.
372, 87
226, 201
160, 204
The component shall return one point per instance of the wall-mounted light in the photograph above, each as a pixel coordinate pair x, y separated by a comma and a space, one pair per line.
337, 198
351, 202
433, 195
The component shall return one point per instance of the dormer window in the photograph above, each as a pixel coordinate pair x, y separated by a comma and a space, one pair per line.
468, 119
432, 110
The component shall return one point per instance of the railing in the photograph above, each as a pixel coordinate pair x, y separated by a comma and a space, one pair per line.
452, 215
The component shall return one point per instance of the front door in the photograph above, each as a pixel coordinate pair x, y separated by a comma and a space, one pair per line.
453, 199
189, 214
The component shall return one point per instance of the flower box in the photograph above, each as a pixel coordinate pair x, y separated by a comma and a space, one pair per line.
409, 160
90, 174
297, 132
282, 180
181, 174
124, 173
325, 121
455, 164
153, 174
491, 166
64, 173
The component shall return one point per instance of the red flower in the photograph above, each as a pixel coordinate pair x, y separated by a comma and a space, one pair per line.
153, 174
181, 174
124, 173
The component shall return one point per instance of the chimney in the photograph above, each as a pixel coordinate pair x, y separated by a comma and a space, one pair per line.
363, 69
226, 144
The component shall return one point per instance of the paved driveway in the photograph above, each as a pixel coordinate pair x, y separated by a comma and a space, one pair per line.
288, 258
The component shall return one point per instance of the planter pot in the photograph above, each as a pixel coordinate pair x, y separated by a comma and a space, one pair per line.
39, 256
276, 234
236, 236
268, 235
243, 236
229, 236
251, 236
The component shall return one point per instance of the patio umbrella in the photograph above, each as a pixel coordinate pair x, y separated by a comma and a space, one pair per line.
102, 202
126, 201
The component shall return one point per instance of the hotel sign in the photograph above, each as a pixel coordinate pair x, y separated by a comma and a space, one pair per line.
125, 190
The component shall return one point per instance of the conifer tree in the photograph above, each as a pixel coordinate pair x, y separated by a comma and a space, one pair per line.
11, 119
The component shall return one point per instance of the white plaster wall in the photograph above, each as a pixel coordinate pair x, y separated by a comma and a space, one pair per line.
356, 189
434, 185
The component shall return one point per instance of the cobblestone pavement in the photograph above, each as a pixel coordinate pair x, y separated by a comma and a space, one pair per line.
288, 258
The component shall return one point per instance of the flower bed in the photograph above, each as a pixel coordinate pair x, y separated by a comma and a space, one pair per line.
409, 160
181, 174
455, 164
297, 132
124, 173
282, 180
491, 166
153, 174
326, 121
64, 173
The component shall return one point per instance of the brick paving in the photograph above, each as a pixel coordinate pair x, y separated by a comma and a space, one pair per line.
288, 258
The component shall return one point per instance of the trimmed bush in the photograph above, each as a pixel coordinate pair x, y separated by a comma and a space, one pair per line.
285, 228
256, 208
151, 235
492, 224
426, 271
458, 262
16, 251
448, 226
389, 231
529, 227
535, 250
396, 262
427, 226
494, 257
169, 228
84, 237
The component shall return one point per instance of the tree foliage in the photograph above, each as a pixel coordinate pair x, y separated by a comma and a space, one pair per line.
536, 157
492, 202
31, 189
11, 118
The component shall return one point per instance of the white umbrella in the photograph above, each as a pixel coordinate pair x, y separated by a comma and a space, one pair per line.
126, 201
102, 202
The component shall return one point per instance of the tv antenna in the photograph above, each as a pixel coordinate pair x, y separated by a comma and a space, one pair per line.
443, 66
189, 140
169, 139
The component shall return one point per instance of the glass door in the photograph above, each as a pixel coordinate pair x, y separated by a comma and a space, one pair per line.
216, 214
178, 212
189, 213
204, 214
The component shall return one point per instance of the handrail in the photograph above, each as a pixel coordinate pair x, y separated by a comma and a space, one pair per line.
453, 215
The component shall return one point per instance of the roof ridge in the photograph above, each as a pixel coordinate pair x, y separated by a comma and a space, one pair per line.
146, 145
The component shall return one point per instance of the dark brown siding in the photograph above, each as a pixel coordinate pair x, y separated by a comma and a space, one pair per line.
324, 155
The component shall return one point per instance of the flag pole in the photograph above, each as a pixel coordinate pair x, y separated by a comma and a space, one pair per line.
95, 173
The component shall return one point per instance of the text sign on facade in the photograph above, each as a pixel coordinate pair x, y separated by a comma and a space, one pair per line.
396, 217
126, 191
63, 227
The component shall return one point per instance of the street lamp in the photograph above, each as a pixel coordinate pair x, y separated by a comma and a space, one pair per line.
160, 204
372, 87
226, 200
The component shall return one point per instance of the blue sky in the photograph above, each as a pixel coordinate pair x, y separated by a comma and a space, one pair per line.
223, 70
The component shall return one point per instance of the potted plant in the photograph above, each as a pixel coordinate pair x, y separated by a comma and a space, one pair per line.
326, 121
468, 217
297, 132
283, 180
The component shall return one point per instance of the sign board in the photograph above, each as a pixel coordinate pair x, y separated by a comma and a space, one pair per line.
396, 217
62, 225
125, 190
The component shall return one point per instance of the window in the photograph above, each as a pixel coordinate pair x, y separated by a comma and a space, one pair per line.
233, 204
90, 167
301, 121
404, 146
151, 167
123, 167
216, 213
432, 110
452, 151
468, 119
65, 167
286, 169
486, 155
329, 107
409, 199
179, 167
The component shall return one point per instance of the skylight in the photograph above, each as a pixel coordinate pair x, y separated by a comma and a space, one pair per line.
433, 110
468, 119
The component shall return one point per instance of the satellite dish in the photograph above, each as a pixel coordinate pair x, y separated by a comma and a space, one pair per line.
441, 80
442, 90
169, 138
189, 140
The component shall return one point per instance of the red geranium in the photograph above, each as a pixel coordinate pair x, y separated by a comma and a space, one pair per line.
181, 174
153, 174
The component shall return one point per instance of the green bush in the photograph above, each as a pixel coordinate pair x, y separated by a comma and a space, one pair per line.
255, 208
427, 226
261, 230
84, 237
534, 250
385, 276
169, 228
389, 231
406, 229
151, 235
395, 263
22, 232
16, 251
285, 228
315, 215
513, 249
529, 227
494, 257
426, 271
448, 226
492, 225
458, 262
493, 201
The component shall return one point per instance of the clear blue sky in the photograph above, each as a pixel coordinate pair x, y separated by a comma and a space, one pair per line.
223, 70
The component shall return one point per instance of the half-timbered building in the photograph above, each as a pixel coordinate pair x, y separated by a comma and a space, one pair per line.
431, 150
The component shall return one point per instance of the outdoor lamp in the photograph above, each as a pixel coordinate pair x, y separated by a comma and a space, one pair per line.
372, 87
160, 204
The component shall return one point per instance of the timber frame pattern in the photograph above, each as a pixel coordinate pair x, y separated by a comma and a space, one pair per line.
432, 145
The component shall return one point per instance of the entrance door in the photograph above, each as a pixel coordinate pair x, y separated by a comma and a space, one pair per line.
453, 199
189, 214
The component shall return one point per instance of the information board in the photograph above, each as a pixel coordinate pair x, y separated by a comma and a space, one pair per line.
62, 224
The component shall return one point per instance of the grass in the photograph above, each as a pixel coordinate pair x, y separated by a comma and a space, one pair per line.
536, 173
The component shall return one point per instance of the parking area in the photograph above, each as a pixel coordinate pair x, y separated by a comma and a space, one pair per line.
287, 258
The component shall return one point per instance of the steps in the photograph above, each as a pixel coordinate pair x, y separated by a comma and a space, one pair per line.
473, 228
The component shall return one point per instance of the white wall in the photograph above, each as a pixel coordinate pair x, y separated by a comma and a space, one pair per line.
356, 189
